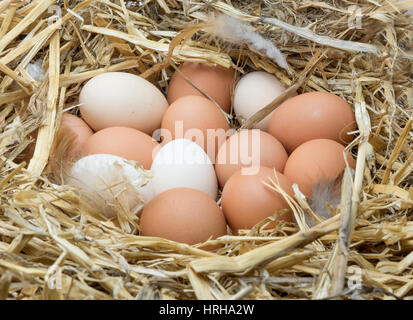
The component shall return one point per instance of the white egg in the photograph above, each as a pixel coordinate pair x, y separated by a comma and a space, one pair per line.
121, 99
182, 163
111, 179
253, 92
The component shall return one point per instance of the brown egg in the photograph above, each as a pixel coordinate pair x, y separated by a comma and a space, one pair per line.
197, 119
312, 115
249, 148
72, 124
316, 162
247, 201
27, 154
183, 215
215, 81
124, 142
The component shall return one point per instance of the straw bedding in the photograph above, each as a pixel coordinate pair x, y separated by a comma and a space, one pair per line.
55, 245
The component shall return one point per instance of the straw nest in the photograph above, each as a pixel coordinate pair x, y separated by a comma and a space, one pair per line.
56, 245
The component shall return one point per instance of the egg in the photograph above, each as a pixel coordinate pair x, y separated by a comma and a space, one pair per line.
249, 149
247, 201
253, 92
216, 81
183, 164
120, 99
316, 162
183, 215
124, 142
109, 180
72, 124
312, 115
198, 119
28, 152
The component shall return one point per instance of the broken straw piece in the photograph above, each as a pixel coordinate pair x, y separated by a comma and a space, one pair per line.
324, 40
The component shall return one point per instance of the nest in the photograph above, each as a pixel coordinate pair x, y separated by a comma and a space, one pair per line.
56, 245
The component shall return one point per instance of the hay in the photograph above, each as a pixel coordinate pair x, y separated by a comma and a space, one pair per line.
54, 244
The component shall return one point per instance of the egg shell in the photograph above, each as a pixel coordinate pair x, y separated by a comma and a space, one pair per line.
198, 119
216, 81
312, 115
183, 215
120, 99
27, 154
247, 201
124, 142
249, 148
182, 163
110, 179
72, 124
316, 162
69, 125
253, 92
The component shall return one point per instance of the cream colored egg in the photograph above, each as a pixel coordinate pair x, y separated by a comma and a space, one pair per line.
120, 99
182, 163
253, 92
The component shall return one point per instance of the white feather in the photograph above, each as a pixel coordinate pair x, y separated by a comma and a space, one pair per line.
323, 193
35, 71
111, 179
236, 31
